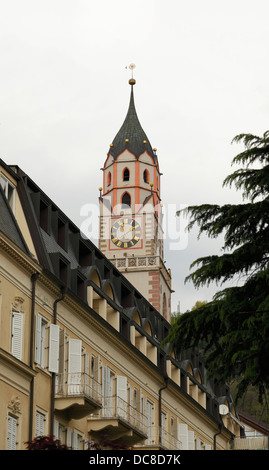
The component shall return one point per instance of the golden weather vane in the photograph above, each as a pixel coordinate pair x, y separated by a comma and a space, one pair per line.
132, 80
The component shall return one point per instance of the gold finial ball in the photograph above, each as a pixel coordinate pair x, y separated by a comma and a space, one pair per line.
144, 141
132, 81
111, 145
126, 140
100, 189
151, 184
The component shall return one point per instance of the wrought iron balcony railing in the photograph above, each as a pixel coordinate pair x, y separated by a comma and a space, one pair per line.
115, 407
77, 384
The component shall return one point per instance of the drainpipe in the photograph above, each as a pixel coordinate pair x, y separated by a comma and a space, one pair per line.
31, 404
53, 377
160, 408
215, 436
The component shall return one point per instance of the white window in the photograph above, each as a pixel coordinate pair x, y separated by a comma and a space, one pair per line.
9, 191
58, 430
40, 340
16, 335
39, 424
73, 439
11, 433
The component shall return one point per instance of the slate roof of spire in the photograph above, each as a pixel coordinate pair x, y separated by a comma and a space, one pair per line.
132, 130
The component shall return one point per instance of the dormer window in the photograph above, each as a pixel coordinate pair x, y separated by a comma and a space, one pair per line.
9, 191
126, 174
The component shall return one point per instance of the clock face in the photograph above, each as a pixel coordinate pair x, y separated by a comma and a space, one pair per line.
125, 232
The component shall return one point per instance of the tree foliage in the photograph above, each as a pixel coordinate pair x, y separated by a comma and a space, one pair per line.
233, 329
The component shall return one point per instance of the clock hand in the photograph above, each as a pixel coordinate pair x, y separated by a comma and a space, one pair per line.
130, 229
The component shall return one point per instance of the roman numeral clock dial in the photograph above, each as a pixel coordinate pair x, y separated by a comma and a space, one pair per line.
125, 232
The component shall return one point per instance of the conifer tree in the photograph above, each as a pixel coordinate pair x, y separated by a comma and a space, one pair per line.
232, 330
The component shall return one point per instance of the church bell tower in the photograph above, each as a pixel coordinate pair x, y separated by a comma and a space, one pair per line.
131, 233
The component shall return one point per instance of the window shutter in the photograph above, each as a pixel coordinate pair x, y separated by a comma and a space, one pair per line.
74, 357
207, 447
56, 428
38, 324
54, 348
16, 343
122, 395
107, 391
69, 437
11, 433
122, 387
190, 440
75, 441
183, 435
39, 424
198, 444
74, 366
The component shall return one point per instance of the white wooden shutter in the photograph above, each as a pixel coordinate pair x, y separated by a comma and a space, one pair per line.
54, 344
190, 440
16, 340
207, 447
68, 437
122, 395
198, 444
107, 390
122, 387
74, 366
11, 433
56, 428
183, 435
39, 424
75, 440
38, 325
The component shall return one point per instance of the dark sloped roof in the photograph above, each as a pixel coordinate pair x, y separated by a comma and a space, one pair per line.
131, 129
8, 224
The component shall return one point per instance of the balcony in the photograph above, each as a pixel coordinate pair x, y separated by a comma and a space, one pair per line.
118, 422
77, 395
160, 439
251, 443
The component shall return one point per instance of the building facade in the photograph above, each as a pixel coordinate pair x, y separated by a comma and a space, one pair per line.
81, 354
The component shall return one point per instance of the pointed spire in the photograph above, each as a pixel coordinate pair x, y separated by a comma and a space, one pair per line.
131, 136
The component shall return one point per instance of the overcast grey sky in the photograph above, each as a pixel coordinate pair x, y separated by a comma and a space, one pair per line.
202, 77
